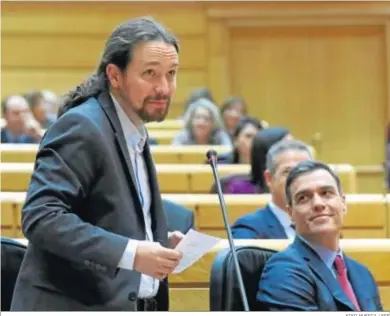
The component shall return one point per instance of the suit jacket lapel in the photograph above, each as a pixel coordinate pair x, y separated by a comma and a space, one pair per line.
108, 107
275, 228
357, 284
321, 270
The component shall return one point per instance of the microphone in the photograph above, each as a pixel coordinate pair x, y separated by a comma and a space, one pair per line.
212, 158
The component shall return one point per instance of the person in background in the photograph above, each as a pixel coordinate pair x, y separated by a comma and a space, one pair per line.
202, 126
200, 93
313, 273
51, 103
273, 221
36, 102
18, 118
255, 181
231, 111
246, 130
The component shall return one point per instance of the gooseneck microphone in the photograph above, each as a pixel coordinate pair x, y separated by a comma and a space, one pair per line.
212, 158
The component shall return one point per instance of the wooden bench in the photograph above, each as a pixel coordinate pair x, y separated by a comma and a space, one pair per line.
189, 290
368, 216
178, 178
165, 125
162, 154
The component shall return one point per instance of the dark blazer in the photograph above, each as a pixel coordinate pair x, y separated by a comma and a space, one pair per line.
26, 139
296, 279
261, 224
178, 217
81, 207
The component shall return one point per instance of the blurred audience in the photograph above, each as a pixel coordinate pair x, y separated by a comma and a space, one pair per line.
20, 127
202, 126
255, 181
243, 136
231, 111
51, 103
36, 101
273, 221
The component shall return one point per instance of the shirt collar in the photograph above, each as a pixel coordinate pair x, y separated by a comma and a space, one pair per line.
327, 256
280, 214
135, 136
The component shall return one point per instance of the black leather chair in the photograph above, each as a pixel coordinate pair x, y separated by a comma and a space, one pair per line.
224, 291
12, 254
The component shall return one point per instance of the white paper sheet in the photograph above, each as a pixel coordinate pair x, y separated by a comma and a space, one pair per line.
194, 246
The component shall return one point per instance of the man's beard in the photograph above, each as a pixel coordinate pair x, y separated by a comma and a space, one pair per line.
155, 116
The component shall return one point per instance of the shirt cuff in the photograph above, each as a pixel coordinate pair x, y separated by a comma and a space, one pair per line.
127, 260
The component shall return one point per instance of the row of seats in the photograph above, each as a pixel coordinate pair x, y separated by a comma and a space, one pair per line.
162, 154
367, 215
190, 290
179, 178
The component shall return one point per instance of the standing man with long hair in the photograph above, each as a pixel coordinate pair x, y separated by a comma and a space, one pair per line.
98, 237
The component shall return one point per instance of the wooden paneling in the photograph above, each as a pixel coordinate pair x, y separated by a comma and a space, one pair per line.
47, 51
317, 75
88, 17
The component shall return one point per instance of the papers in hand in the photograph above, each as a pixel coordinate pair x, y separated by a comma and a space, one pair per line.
194, 246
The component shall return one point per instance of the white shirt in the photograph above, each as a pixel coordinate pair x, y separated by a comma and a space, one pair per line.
284, 219
136, 139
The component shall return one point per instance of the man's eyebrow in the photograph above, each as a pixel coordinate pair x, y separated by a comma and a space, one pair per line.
305, 191
156, 63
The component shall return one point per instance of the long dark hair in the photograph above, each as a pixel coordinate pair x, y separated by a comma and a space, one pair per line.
262, 142
242, 123
118, 50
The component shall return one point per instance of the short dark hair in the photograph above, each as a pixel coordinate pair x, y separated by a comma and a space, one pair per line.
305, 167
262, 142
118, 50
228, 103
200, 93
33, 98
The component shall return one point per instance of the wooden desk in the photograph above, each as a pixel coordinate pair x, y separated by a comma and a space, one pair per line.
165, 125
189, 290
162, 154
208, 217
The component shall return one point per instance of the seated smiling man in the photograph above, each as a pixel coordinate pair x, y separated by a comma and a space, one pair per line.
313, 274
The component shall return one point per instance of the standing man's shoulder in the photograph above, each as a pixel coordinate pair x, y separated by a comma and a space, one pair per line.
84, 119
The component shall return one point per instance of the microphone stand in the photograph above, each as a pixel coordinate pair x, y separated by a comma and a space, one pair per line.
212, 156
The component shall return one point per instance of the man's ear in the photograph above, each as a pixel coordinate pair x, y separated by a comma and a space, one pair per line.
113, 75
268, 178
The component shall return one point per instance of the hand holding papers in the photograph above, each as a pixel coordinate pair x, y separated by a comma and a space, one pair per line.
194, 246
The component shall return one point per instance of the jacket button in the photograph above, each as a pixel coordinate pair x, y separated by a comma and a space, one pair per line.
132, 296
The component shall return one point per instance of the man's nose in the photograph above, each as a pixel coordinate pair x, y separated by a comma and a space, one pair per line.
162, 87
318, 202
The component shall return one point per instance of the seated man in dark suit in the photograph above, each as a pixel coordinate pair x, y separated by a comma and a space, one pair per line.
313, 274
273, 221
17, 115
179, 218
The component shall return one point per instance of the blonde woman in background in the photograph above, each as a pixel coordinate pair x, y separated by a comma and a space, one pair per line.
203, 125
